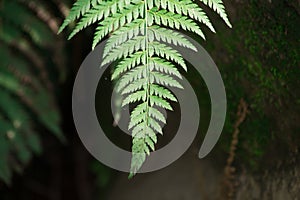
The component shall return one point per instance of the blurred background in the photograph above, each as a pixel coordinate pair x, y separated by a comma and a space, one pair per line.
257, 156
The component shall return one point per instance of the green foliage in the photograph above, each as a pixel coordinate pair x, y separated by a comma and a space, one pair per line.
26, 103
217, 6
141, 38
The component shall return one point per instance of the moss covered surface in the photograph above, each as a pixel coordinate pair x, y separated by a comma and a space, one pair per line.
259, 60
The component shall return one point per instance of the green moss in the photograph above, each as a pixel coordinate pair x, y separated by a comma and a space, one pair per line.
261, 65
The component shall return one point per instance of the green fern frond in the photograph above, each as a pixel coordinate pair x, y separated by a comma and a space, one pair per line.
102, 10
126, 64
123, 34
142, 44
166, 52
130, 76
79, 8
136, 119
22, 21
138, 145
163, 35
132, 12
161, 92
139, 109
174, 21
163, 66
154, 125
125, 49
187, 8
160, 102
13, 106
26, 41
95, 2
135, 97
134, 86
217, 5
155, 113
165, 80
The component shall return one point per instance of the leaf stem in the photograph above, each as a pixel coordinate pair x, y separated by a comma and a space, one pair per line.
147, 68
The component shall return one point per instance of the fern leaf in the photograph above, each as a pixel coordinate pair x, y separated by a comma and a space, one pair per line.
134, 97
160, 102
166, 52
136, 119
150, 143
130, 76
165, 80
160, 65
172, 20
22, 21
95, 2
103, 10
138, 130
125, 49
187, 8
161, 92
132, 12
163, 34
123, 34
126, 64
134, 86
153, 112
27, 47
12, 106
139, 109
79, 8
141, 44
137, 158
155, 125
217, 5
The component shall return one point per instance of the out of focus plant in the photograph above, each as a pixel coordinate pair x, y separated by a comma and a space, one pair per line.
27, 101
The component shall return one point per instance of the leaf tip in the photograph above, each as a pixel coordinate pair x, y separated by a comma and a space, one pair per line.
131, 175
